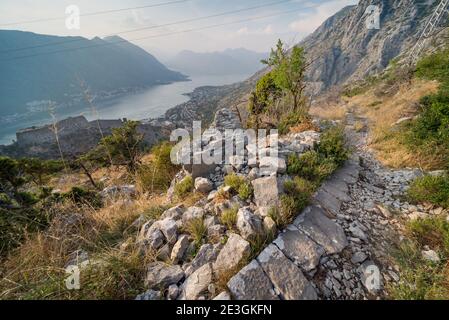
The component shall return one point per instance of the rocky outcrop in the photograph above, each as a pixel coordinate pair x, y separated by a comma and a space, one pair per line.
343, 49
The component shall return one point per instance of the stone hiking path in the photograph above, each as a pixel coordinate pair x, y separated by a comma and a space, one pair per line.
340, 246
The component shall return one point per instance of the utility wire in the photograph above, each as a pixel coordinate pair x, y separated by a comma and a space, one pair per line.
96, 13
154, 26
167, 34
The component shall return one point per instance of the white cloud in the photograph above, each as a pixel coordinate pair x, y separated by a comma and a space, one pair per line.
268, 29
245, 31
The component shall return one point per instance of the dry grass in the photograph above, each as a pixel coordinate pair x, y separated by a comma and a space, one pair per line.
304, 126
35, 270
383, 112
329, 111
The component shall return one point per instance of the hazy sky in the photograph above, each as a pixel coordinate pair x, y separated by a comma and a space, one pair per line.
258, 35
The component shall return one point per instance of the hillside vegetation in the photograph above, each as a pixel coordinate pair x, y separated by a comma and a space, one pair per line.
408, 113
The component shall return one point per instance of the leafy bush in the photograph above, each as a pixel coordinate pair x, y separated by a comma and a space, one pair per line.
311, 166
11, 177
332, 145
430, 189
435, 66
184, 187
234, 181
289, 120
38, 170
124, 146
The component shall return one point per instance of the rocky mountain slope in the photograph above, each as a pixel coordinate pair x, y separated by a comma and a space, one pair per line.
343, 49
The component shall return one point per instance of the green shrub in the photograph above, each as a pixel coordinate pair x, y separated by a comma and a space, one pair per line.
432, 232
5, 200
245, 191
82, 196
435, 66
297, 196
156, 175
234, 181
197, 230
240, 185
124, 146
311, 166
290, 120
184, 187
15, 223
430, 189
26, 198
430, 131
229, 217
332, 145
420, 278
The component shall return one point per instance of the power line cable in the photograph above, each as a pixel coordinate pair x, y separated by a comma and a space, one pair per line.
153, 27
96, 13
166, 34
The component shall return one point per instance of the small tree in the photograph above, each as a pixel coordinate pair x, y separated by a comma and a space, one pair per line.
39, 171
288, 72
11, 177
91, 161
125, 145
265, 95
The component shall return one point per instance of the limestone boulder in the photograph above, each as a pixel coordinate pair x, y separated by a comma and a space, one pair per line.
203, 185
286, 277
197, 283
235, 252
249, 225
161, 275
299, 248
191, 214
251, 283
314, 223
179, 248
267, 191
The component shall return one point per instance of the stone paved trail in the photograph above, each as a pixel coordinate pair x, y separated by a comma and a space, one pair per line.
340, 246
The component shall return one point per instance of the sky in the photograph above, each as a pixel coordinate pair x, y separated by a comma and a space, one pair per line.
289, 20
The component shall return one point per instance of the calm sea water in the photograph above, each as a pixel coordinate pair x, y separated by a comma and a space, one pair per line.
150, 103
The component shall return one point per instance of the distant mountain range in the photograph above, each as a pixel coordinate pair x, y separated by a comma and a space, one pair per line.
33, 70
229, 61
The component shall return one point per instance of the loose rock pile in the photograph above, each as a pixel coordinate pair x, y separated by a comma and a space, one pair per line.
337, 248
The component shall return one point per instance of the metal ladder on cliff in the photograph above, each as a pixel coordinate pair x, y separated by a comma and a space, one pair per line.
428, 30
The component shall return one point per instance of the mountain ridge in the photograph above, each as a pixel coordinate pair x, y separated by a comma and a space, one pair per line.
103, 64
228, 61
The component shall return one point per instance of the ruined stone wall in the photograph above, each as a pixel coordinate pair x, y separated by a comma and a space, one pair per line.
45, 134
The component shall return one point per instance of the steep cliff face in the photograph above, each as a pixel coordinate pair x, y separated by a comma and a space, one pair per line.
343, 49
